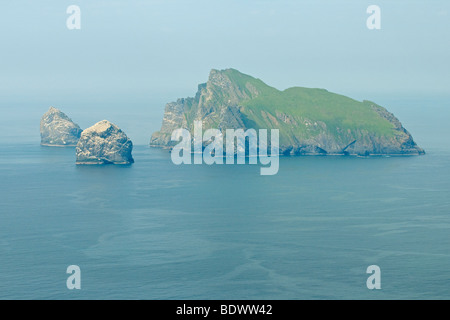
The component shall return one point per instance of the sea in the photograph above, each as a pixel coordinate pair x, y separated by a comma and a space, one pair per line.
155, 230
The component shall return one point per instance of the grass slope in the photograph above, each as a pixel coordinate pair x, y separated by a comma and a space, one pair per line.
306, 105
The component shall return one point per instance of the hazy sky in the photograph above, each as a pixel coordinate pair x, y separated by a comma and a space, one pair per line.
138, 50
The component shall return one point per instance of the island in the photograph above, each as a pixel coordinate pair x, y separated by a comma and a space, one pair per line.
104, 143
58, 130
310, 121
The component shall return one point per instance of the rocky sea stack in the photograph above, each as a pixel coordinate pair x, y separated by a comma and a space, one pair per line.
104, 143
310, 121
58, 130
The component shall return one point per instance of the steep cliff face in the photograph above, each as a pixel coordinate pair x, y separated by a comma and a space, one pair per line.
104, 143
58, 130
216, 104
311, 121
174, 118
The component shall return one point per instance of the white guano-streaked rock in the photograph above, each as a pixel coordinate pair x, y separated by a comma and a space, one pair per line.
58, 130
104, 143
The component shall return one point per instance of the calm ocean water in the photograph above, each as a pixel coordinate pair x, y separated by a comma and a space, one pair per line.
154, 230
